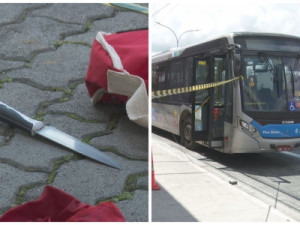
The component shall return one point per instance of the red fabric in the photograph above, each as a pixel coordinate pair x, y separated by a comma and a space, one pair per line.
132, 48
58, 206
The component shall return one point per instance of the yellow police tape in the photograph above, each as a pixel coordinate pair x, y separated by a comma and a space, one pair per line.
175, 91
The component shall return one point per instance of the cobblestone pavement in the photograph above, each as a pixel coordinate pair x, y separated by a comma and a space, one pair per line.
44, 56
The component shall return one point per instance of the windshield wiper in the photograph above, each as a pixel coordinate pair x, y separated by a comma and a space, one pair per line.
266, 59
293, 77
296, 63
292, 81
262, 55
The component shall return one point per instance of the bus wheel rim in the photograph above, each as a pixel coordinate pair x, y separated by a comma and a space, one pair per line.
187, 132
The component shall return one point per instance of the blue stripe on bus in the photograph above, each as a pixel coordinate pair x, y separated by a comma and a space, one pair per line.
278, 130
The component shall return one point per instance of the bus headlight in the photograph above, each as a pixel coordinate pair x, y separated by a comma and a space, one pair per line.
244, 124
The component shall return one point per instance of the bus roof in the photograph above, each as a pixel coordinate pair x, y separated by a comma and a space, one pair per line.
175, 52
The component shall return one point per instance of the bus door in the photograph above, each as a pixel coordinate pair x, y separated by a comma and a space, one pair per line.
219, 74
201, 101
208, 104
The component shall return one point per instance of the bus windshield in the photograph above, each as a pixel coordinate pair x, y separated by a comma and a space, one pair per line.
271, 83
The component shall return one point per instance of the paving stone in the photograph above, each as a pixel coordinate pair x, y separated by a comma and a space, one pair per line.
12, 12
73, 127
2, 140
81, 105
103, 181
3, 132
136, 209
56, 68
143, 181
34, 193
3, 128
9, 65
32, 152
121, 22
129, 138
65, 12
11, 179
25, 98
20, 41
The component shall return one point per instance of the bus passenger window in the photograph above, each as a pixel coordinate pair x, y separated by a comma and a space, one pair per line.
176, 79
198, 118
219, 75
161, 79
201, 78
201, 97
187, 79
219, 94
154, 80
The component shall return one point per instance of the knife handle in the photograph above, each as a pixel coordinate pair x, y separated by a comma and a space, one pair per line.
16, 119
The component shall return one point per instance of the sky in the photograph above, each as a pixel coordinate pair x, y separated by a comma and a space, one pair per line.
215, 18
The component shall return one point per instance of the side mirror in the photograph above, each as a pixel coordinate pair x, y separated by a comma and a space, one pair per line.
235, 51
237, 65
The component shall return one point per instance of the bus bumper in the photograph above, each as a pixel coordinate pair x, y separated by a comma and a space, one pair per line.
245, 143
289, 144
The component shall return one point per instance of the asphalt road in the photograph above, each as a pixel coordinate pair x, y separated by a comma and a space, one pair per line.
272, 177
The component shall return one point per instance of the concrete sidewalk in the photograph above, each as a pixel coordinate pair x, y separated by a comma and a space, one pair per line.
190, 193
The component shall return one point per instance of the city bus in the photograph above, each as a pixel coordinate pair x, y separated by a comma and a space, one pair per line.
258, 111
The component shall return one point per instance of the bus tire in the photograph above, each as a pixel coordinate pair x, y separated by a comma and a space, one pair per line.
186, 134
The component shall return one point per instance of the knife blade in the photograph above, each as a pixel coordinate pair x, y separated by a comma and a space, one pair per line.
17, 119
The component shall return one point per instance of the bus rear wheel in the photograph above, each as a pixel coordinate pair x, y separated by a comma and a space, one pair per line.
186, 134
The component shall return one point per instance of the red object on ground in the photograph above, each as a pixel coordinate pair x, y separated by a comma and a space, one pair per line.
56, 205
155, 186
127, 51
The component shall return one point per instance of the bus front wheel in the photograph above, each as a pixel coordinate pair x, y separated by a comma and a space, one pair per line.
186, 134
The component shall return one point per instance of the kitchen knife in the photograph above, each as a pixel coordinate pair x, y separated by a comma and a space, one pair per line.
17, 119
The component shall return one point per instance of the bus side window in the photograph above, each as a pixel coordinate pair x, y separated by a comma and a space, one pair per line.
201, 96
161, 77
154, 80
219, 75
219, 94
188, 80
176, 79
202, 70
